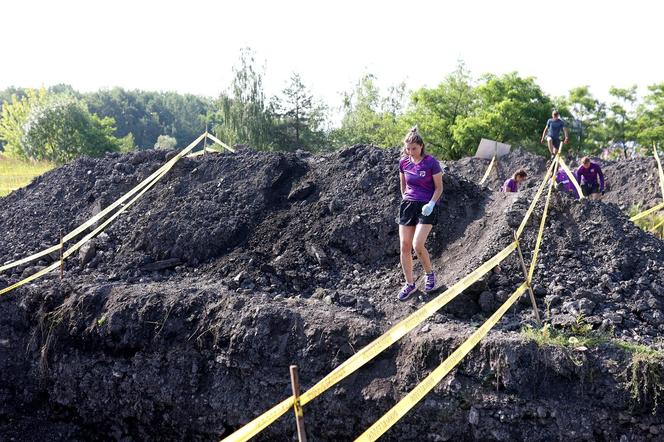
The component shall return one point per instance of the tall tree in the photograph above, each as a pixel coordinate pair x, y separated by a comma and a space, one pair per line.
298, 117
619, 122
244, 115
510, 109
13, 117
649, 121
437, 110
369, 117
588, 114
62, 128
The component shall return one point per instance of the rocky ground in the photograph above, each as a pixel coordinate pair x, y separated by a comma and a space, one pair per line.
181, 320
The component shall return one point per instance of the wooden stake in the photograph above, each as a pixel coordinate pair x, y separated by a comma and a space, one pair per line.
525, 274
205, 139
297, 407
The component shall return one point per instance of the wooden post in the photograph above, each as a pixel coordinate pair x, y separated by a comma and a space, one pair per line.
62, 263
297, 407
205, 139
525, 274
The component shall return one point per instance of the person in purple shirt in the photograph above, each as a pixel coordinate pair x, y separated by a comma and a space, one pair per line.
588, 173
421, 181
512, 184
565, 184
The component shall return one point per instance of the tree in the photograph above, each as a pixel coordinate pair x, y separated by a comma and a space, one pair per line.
649, 121
242, 111
370, 118
298, 117
437, 110
619, 122
127, 143
509, 109
588, 114
165, 142
13, 117
62, 128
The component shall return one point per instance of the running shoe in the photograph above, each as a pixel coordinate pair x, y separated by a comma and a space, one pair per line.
406, 291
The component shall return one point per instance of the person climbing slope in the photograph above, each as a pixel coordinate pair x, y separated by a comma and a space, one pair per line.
421, 180
552, 133
565, 184
512, 184
588, 174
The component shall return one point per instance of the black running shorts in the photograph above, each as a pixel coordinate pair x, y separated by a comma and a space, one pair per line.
410, 214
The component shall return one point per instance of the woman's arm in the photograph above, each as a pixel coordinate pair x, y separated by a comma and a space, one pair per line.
402, 182
438, 183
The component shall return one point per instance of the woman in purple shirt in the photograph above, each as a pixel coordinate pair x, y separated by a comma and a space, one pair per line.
421, 181
512, 184
588, 173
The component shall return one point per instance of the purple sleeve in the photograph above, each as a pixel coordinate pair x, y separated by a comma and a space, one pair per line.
579, 174
401, 165
435, 166
601, 178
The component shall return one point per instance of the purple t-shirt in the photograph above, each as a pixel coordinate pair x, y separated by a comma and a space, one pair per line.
589, 175
510, 186
419, 178
568, 185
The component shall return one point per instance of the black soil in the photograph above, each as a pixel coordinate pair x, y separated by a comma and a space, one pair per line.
182, 319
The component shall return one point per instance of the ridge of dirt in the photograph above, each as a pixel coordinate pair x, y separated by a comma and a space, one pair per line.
183, 319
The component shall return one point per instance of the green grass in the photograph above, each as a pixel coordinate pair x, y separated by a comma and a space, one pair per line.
15, 174
644, 375
653, 223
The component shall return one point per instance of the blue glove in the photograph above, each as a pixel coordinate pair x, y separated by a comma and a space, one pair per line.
428, 208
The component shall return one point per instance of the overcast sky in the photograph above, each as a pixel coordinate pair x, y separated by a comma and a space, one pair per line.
190, 46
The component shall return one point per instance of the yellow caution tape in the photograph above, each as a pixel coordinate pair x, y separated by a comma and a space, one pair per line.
391, 336
90, 222
89, 236
423, 388
297, 407
648, 212
488, 170
257, 425
374, 348
571, 177
659, 169
411, 399
540, 234
657, 226
534, 202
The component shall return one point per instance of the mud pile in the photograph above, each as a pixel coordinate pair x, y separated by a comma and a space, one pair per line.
632, 182
182, 320
473, 169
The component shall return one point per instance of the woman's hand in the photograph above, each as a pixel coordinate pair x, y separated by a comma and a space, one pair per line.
428, 208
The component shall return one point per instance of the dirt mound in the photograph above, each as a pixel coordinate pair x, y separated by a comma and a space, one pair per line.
473, 169
632, 182
183, 320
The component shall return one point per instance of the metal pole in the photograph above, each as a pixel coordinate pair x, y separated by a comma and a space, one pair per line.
297, 407
525, 273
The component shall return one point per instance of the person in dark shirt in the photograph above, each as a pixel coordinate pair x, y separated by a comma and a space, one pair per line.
588, 174
552, 133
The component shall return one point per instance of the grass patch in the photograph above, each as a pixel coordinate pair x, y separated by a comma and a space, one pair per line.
653, 223
644, 376
15, 174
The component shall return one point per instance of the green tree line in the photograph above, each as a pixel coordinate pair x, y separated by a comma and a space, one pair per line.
60, 123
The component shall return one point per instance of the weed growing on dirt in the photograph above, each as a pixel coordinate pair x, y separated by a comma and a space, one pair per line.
646, 382
653, 223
